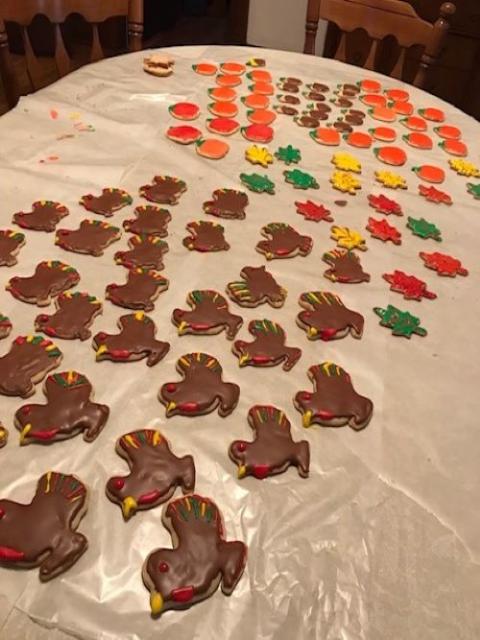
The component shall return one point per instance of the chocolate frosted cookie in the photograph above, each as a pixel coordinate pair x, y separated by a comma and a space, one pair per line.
150, 220
74, 315
343, 127
27, 363
205, 237
319, 87
155, 472
284, 242
200, 560
110, 201
285, 109
5, 326
3, 436
307, 121
345, 267
45, 216
316, 96
143, 286
145, 251
273, 449
164, 190
50, 278
268, 349
201, 391
10, 244
334, 402
227, 203
135, 341
288, 87
43, 533
288, 99
327, 318
69, 411
92, 237
257, 287
209, 315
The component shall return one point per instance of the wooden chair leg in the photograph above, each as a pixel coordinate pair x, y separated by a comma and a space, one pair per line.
431, 53
313, 16
135, 25
7, 74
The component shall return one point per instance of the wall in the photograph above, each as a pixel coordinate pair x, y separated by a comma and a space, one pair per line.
280, 24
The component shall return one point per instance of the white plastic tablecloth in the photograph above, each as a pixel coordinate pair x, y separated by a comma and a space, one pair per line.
381, 541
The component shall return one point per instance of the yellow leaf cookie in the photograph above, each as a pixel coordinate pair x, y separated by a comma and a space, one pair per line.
345, 182
346, 162
390, 180
259, 155
464, 168
348, 238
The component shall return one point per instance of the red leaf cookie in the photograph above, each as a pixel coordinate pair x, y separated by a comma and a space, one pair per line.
385, 205
443, 264
315, 212
434, 195
412, 288
383, 231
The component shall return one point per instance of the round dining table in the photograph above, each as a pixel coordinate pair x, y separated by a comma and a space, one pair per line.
380, 541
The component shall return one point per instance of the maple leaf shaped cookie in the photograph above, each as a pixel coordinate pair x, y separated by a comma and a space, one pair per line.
383, 231
314, 212
348, 238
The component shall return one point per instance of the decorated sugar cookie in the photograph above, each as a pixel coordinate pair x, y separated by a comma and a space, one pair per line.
430, 173
223, 109
402, 323
92, 237
202, 389
346, 162
390, 180
268, 348
434, 195
209, 315
273, 449
334, 402
474, 190
314, 212
326, 136
384, 205
261, 116
223, 126
418, 141
3, 436
257, 287
184, 110
10, 244
74, 315
5, 326
358, 139
259, 155
205, 237
258, 133
145, 251
325, 317
110, 201
288, 155
348, 238
155, 472
51, 278
227, 203
45, 216
68, 412
420, 227
184, 134
345, 267
432, 114
143, 286
454, 148
391, 155
164, 190
414, 123
257, 183
345, 182
464, 168
383, 231
283, 242
205, 68
409, 286
443, 264
212, 148
149, 221
300, 179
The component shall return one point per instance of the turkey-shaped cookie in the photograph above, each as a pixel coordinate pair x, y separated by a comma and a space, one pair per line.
164, 190
68, 412
209, 315
268, 349
150, 220
334, 402
135, 341
273, 449
200, 561
284, 242
27, 363
49, 280
43, 533
258, 286
143, 286
201, 391
345, 267
10, 244
91, 237
205, 237
3, 436
227, 203
145, 251
327, 318
110, 201
155, 472
5, 326
74, 315
45, 216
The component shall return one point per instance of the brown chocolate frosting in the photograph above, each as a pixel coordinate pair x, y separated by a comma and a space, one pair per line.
50, 278
326, 316
135, 341
68, 412
316, 96
288, 99
273, 449
288, 87
227, 203
343, 127
29, 360
258, 286
155, 472
179, 577
268, 349
10, 244
286, 110
164, 190
150, 220
142, 288
74, 315
334, 401
110, 201
91, 237
202, 389
45, 216
146, 251
42, 533
205, 237
345, 267
209, 314
284, 241
319, 87
307, 121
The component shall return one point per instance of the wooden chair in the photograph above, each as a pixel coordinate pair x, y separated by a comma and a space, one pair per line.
379, 19
95, 12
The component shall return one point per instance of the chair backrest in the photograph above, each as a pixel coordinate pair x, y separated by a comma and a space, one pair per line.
379, 19
22, 13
